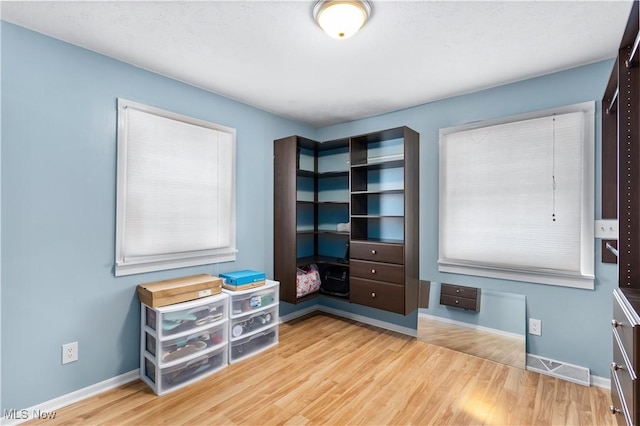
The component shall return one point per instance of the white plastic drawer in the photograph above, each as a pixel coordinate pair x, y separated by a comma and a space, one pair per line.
172, 378
253, 322
188, 346
253, 344
193, 369
252, 300
182, 318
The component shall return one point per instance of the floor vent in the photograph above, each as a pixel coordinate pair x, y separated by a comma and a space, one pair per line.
561, 370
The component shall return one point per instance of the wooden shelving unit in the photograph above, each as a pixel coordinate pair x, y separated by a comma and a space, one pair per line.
370, 181
311, 179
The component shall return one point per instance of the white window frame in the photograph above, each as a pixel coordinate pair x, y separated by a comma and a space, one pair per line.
127, 264
584, 278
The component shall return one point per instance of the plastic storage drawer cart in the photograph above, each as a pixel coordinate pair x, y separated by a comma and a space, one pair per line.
253, 320
183, 343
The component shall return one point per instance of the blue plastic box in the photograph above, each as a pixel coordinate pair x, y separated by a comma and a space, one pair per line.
246, 276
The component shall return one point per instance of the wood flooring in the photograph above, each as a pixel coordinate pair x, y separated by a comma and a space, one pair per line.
331, 371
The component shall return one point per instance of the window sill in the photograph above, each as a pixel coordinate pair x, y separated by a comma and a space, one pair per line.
556, 278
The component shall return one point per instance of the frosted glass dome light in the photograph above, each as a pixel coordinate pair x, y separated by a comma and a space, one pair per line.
341, 19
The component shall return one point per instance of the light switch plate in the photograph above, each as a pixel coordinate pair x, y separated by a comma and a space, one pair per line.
607, 229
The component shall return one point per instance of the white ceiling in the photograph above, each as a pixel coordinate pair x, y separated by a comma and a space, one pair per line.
272, 55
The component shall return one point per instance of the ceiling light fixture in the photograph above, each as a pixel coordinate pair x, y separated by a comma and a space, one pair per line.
341, 19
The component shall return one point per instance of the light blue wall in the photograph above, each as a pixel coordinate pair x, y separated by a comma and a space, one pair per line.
58, 209
575, 323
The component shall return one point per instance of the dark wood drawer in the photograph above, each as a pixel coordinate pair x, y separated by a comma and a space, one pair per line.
460, 291
621, 359
460, 296
620, 369
378, 252
623, 330
376, 294
377, 271
459, 302
618, 406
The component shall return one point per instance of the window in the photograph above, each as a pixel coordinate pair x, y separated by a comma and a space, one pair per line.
516, 198
175, 191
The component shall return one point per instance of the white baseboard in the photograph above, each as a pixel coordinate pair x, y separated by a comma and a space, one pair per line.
299, 313
48, 408
366, 320
601, 382
473, 326
344, 314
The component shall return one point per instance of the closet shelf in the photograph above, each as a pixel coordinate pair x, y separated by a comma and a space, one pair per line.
321, 259
375, 216
379, 191
311, 174
326, 203
379, 165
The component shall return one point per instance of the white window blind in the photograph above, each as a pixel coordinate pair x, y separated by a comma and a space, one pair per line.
516, 198
176, 191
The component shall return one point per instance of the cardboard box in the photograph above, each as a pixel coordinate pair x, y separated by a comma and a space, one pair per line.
240, 287
168, 292
246, 276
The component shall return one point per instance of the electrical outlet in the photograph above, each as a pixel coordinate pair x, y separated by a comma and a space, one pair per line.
69, 352
535, 327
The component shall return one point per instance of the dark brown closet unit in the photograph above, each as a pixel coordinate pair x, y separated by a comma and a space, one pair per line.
311, 196
384, 220
621, 200
374, 179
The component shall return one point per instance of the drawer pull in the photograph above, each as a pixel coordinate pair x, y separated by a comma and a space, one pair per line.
373, 252
616, 367
457, 301
615, 323
614, 410
373, 271
457, 290
373, 294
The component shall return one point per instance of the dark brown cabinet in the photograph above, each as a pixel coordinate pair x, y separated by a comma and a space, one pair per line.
621, 200
371, 183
